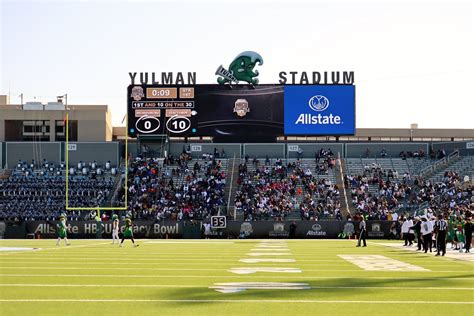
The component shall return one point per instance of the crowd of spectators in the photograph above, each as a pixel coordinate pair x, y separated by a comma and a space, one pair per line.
391, 194
177, 188
274, 191
37, 192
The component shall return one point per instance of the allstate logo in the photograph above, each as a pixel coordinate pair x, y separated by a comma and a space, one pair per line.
316, 227
318, 103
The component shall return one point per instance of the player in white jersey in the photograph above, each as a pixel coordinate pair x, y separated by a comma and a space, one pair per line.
115, 229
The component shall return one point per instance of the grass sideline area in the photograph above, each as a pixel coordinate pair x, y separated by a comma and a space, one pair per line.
175, 277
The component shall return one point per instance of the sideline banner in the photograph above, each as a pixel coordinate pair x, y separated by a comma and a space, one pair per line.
93, 229
234, 229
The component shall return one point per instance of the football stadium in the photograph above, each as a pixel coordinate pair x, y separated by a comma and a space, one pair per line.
236, 158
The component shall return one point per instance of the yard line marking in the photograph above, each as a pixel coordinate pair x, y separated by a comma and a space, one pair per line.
251, 260
380, 263
230, 301
109, 268
270, 249
190, 242
230, 276
197, 269
243, 286
102, 285
269, 254
252, 270
17, 249
219, 284
55, 248
139, 259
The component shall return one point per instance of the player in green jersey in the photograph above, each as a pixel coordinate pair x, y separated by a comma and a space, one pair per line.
62, 230
128, 232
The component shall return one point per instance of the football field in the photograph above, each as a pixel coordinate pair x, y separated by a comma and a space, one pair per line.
230, 277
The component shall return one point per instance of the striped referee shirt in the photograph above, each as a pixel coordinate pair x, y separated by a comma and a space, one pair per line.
441, 225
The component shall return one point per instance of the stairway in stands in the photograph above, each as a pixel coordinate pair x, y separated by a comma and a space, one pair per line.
463, 166
232, 175
345, 197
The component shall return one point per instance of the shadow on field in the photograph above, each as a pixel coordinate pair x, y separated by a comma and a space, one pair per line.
323, 289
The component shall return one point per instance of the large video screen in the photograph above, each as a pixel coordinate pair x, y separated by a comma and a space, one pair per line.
319, 110
266, 110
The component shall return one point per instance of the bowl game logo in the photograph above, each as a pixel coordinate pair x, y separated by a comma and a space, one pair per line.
137, 93
241, 69
241, 107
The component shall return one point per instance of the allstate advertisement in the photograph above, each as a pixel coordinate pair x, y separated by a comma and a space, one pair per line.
319, 110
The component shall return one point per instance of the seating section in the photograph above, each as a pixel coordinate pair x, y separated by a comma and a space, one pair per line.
38, 191
381, 187
178, 189
287, 189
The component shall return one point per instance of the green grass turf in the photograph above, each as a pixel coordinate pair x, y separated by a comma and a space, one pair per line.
174, 279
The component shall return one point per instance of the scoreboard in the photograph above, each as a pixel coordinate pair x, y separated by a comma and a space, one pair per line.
241, 111
205, 110
160, 110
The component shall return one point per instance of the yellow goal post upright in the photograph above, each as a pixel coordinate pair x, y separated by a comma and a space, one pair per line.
98, 209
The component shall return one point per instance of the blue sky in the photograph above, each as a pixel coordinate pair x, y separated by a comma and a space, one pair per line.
412, 60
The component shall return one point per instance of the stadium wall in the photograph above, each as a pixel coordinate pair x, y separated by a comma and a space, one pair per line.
355, 150
173, 229
264, 150
452, 146
310, 150
27, 151
197, 149
55, 152
90, 151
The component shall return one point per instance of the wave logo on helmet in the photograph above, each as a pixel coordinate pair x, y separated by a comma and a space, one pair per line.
241, 69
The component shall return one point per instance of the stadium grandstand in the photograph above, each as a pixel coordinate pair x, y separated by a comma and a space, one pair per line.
250, 157
375, 173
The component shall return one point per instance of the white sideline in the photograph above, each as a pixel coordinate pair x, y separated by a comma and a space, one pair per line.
197, 269
232, 301
205, 286
232, 276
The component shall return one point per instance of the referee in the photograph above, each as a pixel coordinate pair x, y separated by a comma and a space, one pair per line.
441, 228
362, 230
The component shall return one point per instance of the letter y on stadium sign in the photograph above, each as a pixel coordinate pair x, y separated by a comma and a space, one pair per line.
241, 69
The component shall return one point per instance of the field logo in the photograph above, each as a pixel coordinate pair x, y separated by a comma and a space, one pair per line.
241, 69
246, 228
137, 93
318, 103
241, 107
